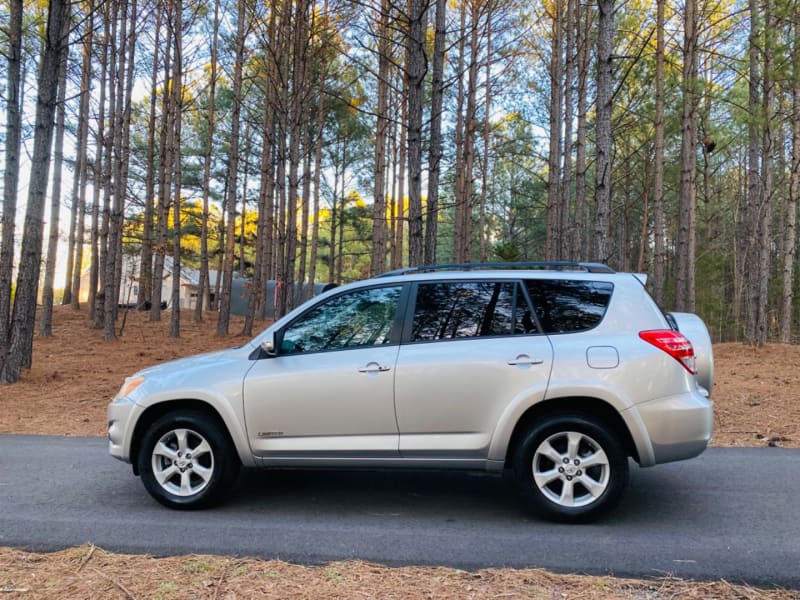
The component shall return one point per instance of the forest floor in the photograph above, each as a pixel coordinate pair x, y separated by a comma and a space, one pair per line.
75, 373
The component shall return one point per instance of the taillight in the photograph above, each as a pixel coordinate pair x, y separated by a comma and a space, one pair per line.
673, 343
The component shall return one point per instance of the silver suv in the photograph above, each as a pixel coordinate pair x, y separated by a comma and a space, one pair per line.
554, 372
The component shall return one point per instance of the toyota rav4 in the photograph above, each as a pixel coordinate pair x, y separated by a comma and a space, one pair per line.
556, 373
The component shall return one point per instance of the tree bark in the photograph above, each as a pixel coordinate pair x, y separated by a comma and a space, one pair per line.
164, 182
176, 164
378, 257
24, 313
754, 195
46, 319
435, 153
72, 287
580, 247
483, 234
114, 183
233, 168
416, 69
10, 174
203, 283
659, 225
145, 296
605, 41
553, 240
684, 284
790, 232
565, 203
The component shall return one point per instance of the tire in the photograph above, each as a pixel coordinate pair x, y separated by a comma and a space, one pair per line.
187, 461
570, 468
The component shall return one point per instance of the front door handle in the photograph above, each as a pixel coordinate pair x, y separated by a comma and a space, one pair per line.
373, 367
524, 359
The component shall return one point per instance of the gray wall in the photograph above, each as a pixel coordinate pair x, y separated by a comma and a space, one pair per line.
239, 296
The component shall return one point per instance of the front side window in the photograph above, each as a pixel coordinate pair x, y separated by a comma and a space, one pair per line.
449, 310
566, 306
355, 319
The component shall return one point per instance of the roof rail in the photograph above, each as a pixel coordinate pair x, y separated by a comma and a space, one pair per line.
551, 265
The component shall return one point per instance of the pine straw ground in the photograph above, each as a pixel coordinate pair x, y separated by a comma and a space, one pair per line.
89, 572
75, 373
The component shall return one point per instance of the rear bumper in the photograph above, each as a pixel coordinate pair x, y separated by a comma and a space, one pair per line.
679, 427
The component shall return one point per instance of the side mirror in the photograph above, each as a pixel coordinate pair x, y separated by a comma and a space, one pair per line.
268, 346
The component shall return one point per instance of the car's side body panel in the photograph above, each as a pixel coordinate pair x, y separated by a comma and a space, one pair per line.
326, 403
449, 394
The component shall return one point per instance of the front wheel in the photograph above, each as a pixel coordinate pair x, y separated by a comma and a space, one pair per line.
570, 468
186, 460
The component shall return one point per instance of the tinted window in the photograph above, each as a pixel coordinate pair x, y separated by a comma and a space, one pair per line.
450, 310
361, 318
564, 305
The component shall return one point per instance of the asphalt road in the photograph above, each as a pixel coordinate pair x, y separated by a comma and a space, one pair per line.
732, 513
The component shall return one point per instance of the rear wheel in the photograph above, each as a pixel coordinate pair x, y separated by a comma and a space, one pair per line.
187, 461
570, 468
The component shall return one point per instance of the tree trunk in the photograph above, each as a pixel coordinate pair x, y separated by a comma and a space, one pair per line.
470, 134
175, 163
46, 320
233, 168
203, 283
435, 153
752, 217
145, 297
760, 293
790, 232
580, 247
605, 46
10, 174
378, 258
416, 69
659, 225
554, 230
312, 269
104, 298
164, 184
459, 241
684, 284
400, 178
483, 235
24, 313
72, 287
566, 173
299, 114
114, 183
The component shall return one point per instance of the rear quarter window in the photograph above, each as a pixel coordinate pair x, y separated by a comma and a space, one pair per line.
565, 306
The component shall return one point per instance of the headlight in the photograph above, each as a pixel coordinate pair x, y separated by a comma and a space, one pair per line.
131, 383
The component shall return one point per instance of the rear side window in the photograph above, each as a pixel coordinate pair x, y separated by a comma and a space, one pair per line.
564, 306
450, 310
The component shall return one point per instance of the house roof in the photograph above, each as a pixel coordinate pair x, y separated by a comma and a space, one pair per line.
189, 275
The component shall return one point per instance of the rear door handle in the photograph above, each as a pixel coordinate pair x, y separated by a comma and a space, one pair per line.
373, 367
524, 359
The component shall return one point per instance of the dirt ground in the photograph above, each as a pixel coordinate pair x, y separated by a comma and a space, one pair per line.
75, 373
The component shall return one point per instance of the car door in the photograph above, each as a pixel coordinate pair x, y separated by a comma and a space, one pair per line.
470, 349
329, 391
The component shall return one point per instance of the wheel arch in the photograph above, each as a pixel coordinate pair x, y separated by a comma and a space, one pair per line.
155, 411
582, 405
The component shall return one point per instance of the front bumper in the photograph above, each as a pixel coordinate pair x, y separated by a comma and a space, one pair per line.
121, 416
